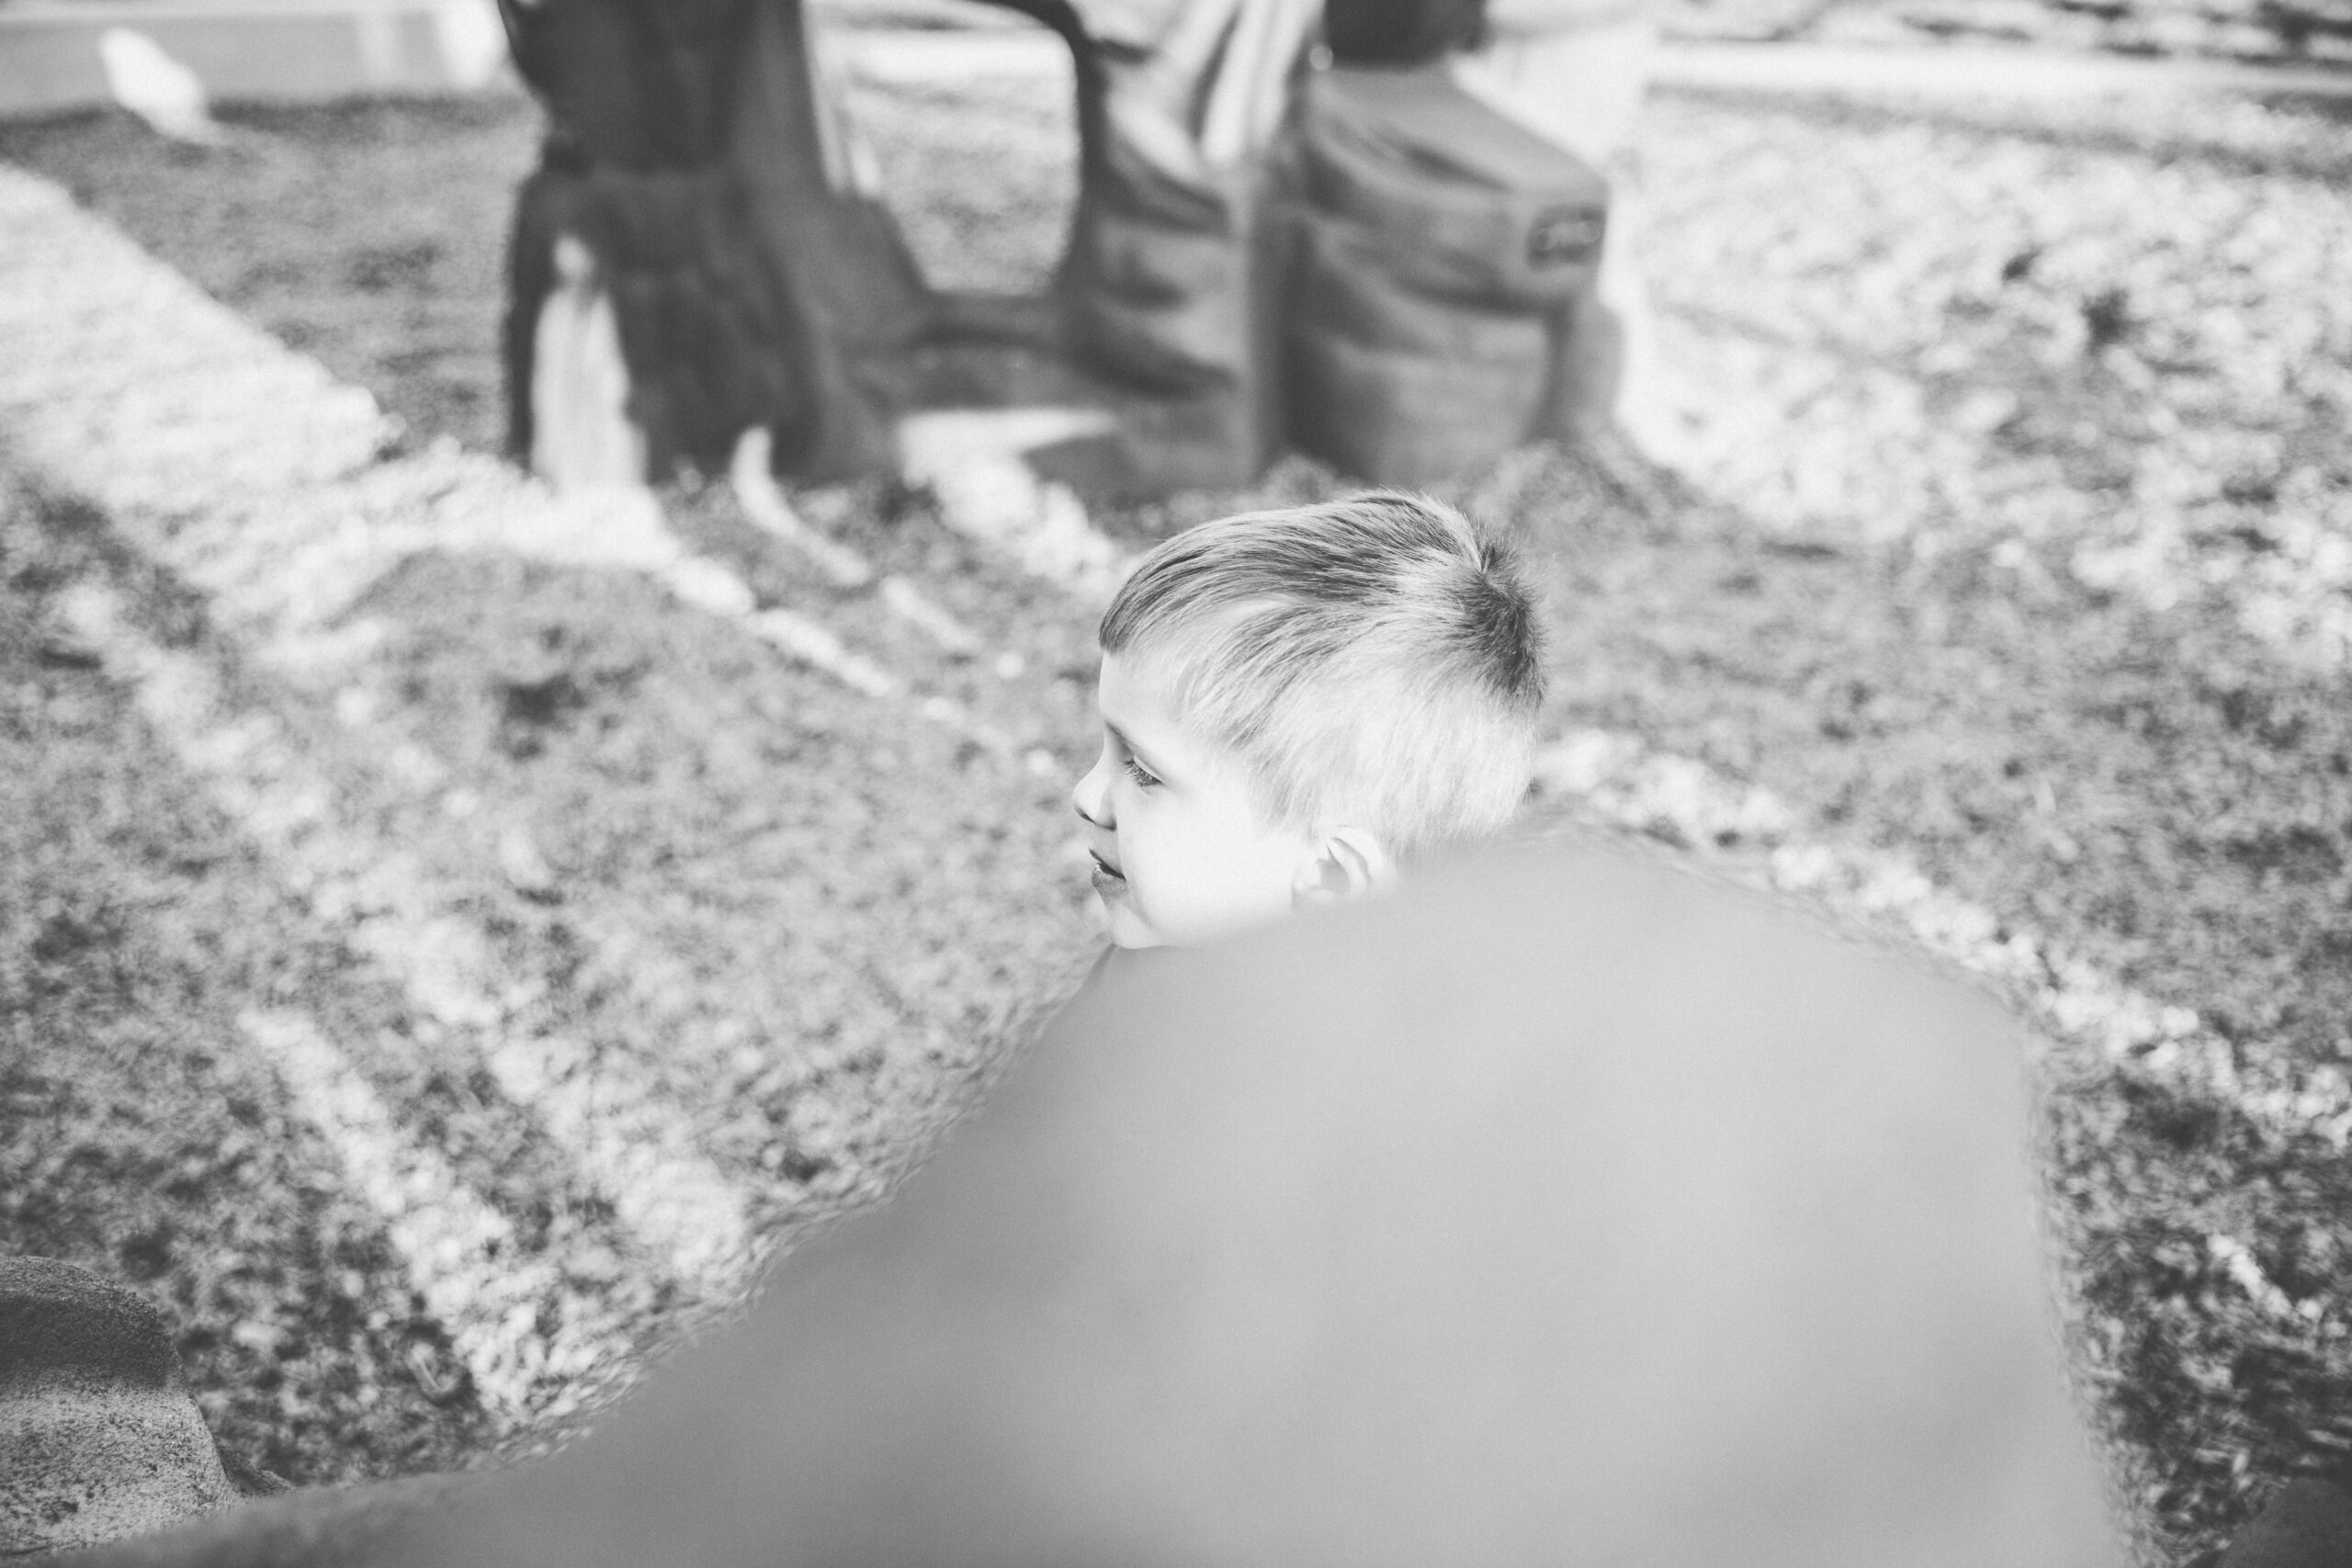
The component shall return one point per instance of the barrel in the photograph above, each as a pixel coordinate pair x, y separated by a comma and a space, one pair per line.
1440, 255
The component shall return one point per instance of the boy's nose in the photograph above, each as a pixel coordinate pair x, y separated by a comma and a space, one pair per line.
1090, 798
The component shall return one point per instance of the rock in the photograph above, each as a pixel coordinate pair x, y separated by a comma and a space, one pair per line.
99, 1438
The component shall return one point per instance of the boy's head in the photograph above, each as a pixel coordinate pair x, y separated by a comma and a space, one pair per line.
1296, 702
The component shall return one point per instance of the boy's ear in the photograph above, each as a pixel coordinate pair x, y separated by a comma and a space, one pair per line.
1345, 861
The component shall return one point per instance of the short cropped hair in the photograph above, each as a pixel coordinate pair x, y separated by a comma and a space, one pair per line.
1373, 660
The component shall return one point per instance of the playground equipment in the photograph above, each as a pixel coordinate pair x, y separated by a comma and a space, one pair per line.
1276, 243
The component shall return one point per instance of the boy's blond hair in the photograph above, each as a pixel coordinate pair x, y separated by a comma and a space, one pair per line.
1374, 662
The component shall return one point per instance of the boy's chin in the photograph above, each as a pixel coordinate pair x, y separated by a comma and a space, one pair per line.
1129, 929
1129, 932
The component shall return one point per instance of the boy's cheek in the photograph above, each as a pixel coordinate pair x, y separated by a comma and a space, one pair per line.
1121, 913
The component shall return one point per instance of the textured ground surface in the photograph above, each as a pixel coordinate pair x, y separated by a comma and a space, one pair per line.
2273, 32
2270, 31
1998, 598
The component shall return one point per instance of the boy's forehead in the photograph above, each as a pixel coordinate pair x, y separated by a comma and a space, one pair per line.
1137, 687
1142, 698
1136, 695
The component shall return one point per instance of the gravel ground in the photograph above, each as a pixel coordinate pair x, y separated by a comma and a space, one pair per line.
2009, 540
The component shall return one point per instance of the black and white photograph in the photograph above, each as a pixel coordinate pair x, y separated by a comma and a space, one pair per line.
1176, 784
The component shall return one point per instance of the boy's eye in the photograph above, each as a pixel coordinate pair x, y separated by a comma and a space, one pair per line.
1144, 778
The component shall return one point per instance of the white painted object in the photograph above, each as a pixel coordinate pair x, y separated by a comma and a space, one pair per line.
472, 40
158, 88
974, 462
581, 432
852, 165
752, 478
942, 437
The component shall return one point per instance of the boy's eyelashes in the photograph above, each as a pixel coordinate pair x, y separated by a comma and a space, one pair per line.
1115, 743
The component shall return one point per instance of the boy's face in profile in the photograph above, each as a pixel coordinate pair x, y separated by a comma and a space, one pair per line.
1182, 855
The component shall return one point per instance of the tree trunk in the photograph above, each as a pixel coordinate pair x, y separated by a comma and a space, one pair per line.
684, 159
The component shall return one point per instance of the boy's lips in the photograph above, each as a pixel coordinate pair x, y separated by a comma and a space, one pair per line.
1108, 879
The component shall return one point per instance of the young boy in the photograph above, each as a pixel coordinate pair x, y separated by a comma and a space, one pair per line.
1296, 705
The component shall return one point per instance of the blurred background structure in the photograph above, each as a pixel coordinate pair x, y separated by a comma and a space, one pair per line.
736, 267
1355, 257
1405, 276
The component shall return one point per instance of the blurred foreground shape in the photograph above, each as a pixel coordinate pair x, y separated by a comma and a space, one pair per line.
1567, 1209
